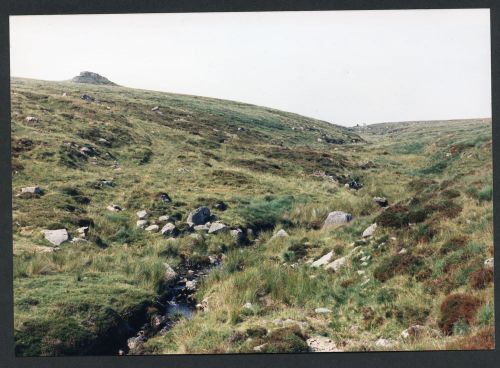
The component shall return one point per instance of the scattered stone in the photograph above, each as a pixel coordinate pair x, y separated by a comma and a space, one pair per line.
323, 260
217, 227
361, 272
489, 263
191, 285
152, 228
337, 218
164, 218
203, 228
88, 151
82, 232
104, 141
56, 237
414, 331
322, 344
31, 119
199, 216
169, 230
239, 236
259, 348
165, 198
141, 224
87, 98
280, 234
44, 249
78, 240
248, 305
384, 343
156, 108
337, 264
403, 251
369, 231
322, 310
203, 306
354, 184
142, 215
365, 258
220, 205
169, 275
32, 190
114, 208
381, 201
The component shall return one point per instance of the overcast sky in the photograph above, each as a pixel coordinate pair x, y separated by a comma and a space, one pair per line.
345, 67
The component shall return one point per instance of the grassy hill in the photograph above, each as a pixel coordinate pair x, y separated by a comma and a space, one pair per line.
274, 170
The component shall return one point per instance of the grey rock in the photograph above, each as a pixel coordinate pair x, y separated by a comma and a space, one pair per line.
369, 231
199, 216
141, 224
323, 260
322, 344
164, 218
489, 263
169, 230
239, 236
114, 208
322, 310
280, 234
337, 264
381, 201
32, 190
337, 218
56, 237
202, 228
169, 275
152, 228
217, 227
142, 215
31, 119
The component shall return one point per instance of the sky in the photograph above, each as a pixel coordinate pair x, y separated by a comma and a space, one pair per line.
345, 67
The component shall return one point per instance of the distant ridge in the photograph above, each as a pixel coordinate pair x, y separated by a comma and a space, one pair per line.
92, 78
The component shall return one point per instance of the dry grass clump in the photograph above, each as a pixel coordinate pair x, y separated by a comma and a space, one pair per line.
481, 278
484, 339
455, 308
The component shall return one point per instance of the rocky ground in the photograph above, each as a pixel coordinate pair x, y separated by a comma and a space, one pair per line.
154, 223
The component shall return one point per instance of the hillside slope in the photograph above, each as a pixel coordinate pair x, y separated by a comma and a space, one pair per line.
258, 170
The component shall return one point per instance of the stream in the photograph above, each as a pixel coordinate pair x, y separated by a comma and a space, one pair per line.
177, 301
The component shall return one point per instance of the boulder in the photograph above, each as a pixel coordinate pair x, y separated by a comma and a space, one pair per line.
152, 228
280, 234
336, 265
141, 224
369, 231
381, 201
56, 237
169, 230
142, 215
114, 208
32, 190
489, 263
323, 260
337, 218
322, 344
169, 275
199, 216
217, 227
